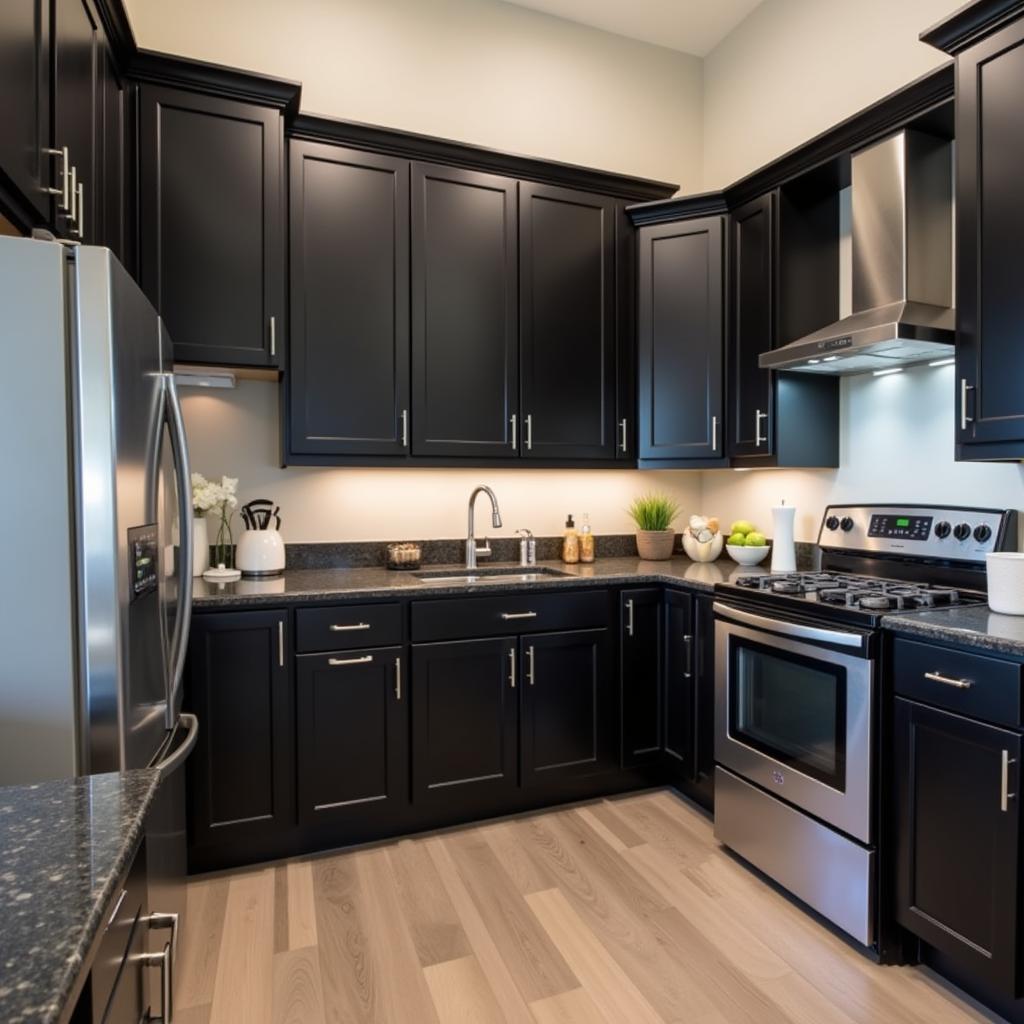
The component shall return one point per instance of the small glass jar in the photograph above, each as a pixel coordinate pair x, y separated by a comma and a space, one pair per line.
406, 555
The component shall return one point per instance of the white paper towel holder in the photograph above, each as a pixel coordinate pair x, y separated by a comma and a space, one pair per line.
783, 545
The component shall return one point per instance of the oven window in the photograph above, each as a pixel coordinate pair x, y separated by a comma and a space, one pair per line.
791, 708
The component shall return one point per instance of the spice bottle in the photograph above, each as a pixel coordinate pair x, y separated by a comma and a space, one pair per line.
586, 540
570, 543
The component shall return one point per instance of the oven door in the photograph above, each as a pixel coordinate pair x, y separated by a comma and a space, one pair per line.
793, 714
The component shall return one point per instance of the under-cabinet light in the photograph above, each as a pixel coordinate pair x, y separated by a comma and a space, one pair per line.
832, 359
886, 373
943, 362
204, 380
813, 362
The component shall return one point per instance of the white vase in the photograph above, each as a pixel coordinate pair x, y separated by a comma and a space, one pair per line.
200, 546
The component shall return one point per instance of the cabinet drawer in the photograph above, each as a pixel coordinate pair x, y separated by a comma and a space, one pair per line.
989, 688
344, 627
466, 617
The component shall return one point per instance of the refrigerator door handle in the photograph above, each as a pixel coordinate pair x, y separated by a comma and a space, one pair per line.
169, 764
179, 449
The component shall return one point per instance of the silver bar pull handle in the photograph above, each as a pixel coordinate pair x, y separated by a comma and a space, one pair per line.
364, 660
512, 667
512, 421
688, 644
529, 664
623, 442
169, 764
405, 428
518, 615
629, 617
65, 173
959, 684
758, 439
165, 961
398, 678
280, 642
964, 388
273, 336
345, 627
80, 228
72, 211
529, 433
714, 433
117, 907
1005, 796
158, 922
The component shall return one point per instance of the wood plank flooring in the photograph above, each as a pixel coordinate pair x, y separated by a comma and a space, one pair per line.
621, 911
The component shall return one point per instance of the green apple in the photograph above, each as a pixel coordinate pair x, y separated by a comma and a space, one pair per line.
737, 540
741, 526
756, 540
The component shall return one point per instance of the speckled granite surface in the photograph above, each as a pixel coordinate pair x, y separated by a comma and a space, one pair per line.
309, 585
975, 626
63, 847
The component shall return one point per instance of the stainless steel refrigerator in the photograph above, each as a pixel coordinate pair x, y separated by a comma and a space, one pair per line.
95, 533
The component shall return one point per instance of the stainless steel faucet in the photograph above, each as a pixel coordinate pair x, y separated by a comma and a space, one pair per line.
472, 551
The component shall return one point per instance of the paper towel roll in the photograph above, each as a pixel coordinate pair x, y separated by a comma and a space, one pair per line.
783, 546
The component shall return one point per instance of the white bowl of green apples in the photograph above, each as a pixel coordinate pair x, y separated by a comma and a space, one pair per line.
746, 544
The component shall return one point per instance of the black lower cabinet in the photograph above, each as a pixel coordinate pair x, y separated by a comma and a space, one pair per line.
958, 840
351, 720
640, 675
241, 776
680, 685
464, 720
567, 706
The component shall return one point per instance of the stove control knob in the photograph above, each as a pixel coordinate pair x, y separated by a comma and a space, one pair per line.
846, 523
942, 530
982, 533
832, 523
961, 531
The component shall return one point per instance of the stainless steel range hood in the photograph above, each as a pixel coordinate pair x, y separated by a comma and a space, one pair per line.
902, 214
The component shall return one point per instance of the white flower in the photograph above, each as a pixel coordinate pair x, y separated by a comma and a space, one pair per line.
207, 495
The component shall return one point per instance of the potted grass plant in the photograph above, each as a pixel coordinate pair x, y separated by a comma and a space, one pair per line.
655, 536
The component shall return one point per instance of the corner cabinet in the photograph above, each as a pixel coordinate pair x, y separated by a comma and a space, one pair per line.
211, 212
640, 676
680, 342
990, 224
348, 386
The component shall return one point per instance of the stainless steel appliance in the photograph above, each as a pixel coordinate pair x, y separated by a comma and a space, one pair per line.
796, 695
97, 546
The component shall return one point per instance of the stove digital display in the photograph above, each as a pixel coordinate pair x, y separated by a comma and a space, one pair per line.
901, 527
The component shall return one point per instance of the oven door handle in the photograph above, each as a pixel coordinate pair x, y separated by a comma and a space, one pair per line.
828, 636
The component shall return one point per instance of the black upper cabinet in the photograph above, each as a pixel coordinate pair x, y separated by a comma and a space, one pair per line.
958, 840
465, 714
352, 722
349, 258
680, 341
76, 60
465, 375
568, 710
211, 224
625, 326
640, 675
567, 323
110, 162
241, 775
990, 224
752, 327
25, 103
680, 684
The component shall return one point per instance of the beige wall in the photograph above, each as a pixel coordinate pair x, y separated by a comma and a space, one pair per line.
794, 68
235, 433
479, 71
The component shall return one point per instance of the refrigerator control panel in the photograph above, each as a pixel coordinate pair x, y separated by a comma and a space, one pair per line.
142, 557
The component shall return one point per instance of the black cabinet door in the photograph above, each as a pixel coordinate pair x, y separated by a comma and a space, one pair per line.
751, 328
351, 724
990, 225
568, 709
680, 684
680, 340
625, 340
567, 323
25, 101
211, 225
349, 261
75, 72
241, 775
110, 195
465, 399
958, 836
464, 720
640, 675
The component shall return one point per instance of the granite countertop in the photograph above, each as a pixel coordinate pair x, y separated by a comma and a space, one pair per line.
973, 625
63, 847
298, 586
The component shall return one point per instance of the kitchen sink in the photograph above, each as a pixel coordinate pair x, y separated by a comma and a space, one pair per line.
492, 574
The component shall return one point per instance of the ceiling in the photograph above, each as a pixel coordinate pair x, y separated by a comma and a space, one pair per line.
690, 26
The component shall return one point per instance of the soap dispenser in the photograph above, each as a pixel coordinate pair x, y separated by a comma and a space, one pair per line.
586, 540
570, 543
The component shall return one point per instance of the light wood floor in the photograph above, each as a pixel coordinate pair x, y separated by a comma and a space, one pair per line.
613, 912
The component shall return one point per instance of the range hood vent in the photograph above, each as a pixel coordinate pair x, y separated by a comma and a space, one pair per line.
901, 227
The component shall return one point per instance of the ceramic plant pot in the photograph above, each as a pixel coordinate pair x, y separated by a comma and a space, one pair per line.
655, 545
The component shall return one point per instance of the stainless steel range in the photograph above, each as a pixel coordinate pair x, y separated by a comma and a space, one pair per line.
796, 695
